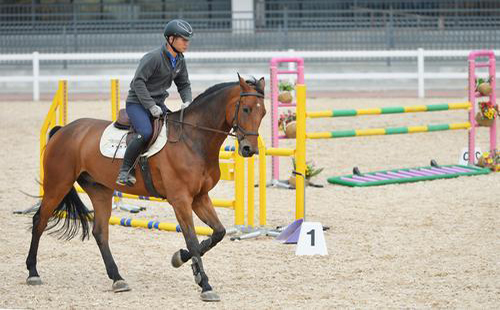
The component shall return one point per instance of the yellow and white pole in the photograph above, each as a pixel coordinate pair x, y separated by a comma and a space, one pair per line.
115, 107
300, 153
239, 188
63, 103
262, 182
115, 99
59, 104
251, 192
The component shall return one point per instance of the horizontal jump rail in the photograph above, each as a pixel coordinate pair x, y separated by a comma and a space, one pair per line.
276, 151
386, 131
127, 222
389, 110
222, 203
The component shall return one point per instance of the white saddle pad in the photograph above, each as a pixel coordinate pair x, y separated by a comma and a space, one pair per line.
113, 138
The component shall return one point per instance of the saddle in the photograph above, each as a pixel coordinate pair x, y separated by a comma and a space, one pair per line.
123, 123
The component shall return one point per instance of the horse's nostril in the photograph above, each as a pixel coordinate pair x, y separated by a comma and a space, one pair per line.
246, 151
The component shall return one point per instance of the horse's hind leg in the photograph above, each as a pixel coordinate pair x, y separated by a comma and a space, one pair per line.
101, 198
53, 195
202, 206
183, 213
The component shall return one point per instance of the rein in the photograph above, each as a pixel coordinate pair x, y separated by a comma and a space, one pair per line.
236, 126
195, 126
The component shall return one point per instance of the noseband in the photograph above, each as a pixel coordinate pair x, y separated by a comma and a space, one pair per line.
236, 126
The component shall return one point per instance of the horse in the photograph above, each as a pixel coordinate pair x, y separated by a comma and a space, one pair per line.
183, 172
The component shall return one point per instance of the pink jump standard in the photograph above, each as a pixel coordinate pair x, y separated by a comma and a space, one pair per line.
275, 104
473, 95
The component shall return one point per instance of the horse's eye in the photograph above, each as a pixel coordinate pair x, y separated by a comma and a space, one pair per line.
246, 110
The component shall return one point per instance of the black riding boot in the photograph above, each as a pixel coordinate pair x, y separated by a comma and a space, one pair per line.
126, 176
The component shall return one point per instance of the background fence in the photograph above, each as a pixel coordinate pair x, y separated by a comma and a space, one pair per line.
137, 25
67, 27
417, 74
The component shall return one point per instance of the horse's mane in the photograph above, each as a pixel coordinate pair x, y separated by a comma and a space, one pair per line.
217, 87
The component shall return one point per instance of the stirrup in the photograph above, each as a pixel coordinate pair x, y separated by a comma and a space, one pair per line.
126, 178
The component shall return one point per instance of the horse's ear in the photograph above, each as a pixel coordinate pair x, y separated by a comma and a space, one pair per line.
261, 84
243, 85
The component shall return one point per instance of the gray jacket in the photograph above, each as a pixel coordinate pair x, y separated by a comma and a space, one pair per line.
154, 76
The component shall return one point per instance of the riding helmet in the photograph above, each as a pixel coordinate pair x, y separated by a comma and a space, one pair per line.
178, 27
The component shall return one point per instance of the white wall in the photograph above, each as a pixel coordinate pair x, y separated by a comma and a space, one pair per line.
242, 15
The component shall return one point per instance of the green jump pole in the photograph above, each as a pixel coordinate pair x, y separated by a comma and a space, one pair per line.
385, 131
390, 110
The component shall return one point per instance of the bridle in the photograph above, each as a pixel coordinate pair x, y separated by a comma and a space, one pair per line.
235, 124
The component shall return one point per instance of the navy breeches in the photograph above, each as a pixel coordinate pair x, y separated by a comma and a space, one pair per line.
140, 119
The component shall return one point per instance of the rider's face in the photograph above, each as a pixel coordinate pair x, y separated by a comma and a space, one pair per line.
180, 44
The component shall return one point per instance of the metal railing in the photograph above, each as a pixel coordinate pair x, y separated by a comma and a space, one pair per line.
419, 74
276, 25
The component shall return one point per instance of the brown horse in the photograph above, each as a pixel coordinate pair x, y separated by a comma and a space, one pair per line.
184, 172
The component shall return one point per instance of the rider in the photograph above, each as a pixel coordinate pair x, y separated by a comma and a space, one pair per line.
148, 90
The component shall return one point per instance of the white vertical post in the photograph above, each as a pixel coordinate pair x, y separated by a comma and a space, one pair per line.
36, 76
242, 16
420, 63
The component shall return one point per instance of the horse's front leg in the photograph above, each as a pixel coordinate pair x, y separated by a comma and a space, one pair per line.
202, 206
184, 215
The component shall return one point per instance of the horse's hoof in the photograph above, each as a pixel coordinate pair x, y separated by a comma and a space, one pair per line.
177, 260
120, 286
209, 296
34, 281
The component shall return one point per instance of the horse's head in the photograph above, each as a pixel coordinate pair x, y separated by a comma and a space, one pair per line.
246, 114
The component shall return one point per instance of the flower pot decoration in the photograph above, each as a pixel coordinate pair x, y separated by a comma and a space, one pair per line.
487, 113
291, 130
490, 160
311, 171
482, 121
286, 123
292, 180
484, 89
285, 89
483, 86
285, 97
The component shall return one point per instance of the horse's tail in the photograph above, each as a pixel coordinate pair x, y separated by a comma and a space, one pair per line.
71, 211
73, 214
54, 130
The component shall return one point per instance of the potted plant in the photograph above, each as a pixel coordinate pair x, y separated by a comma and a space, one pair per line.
287, 124
490, 160
311, 171
483, 86
285, 89
487, 113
